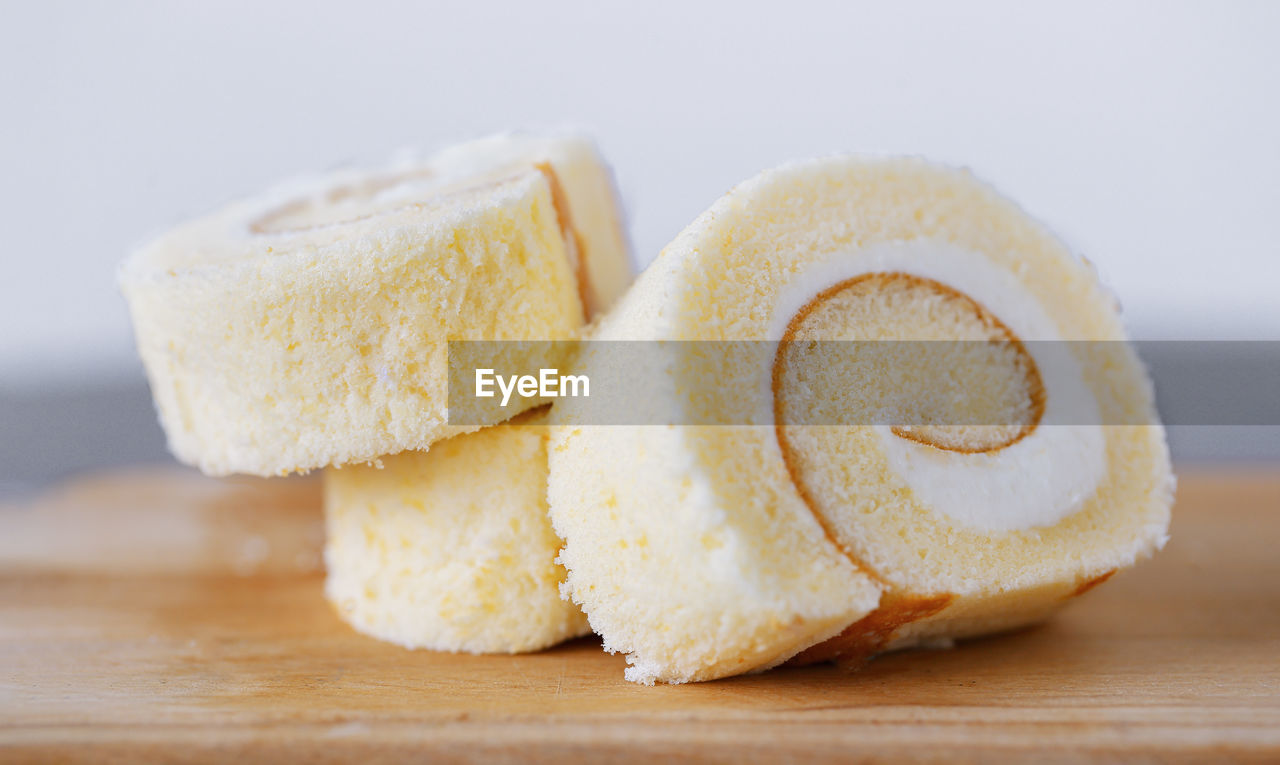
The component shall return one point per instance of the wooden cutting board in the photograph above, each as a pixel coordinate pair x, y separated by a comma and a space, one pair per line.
158, 613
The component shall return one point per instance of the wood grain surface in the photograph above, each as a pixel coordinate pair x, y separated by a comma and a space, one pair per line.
156, 613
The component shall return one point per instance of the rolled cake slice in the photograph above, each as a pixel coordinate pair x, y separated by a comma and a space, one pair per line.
703, 551
309, 327
451, 549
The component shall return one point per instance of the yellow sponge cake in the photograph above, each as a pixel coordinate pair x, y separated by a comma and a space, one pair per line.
451, 549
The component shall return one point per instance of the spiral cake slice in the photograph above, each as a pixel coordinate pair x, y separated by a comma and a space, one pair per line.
704, 551
309, 327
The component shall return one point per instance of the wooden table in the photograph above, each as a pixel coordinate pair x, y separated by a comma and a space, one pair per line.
157, 613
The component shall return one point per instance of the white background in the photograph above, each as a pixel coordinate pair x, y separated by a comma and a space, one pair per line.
1147, 133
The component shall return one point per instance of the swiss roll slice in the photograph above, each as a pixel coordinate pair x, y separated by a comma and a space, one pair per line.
947, 436
451, 549
308, 327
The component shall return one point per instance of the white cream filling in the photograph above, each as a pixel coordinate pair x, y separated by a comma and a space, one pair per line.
1036, 481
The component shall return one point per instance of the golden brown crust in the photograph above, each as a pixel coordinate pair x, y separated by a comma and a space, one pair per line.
867, 636
572, 240
1089, 584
